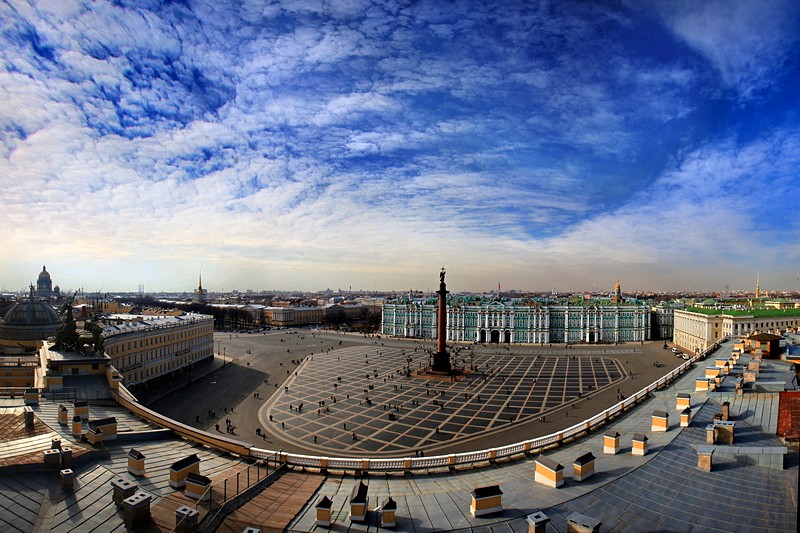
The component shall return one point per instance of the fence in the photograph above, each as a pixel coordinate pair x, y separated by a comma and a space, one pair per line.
225, 495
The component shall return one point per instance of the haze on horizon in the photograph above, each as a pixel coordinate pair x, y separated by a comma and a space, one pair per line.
306, 145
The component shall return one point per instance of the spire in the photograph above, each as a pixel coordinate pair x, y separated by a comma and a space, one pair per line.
200, 294
758, 286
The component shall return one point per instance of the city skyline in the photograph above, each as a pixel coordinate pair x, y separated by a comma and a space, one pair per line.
512, 292
282, 145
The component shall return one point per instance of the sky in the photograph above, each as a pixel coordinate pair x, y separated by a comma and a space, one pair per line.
305, 145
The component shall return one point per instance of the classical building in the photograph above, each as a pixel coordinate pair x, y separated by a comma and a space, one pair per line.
44, 285
24, 325
147, 347
519, 321
698, 328
305, 315
663, 319
293, 316
26, 322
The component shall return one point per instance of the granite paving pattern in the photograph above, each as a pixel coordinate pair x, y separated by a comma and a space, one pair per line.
360, 399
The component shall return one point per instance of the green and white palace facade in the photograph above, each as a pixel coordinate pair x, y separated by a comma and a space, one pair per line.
519, 321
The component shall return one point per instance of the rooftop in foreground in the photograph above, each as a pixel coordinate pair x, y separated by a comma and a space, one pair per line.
661, 490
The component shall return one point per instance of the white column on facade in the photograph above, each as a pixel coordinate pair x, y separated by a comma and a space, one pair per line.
600, 332
547, 327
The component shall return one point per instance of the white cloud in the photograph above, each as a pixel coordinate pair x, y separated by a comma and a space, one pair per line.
352, 106
334, 141
712, 205
747, 41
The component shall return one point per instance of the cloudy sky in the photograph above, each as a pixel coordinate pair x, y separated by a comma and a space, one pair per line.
335, 143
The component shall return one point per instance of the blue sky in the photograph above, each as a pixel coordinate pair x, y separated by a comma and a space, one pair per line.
314, 144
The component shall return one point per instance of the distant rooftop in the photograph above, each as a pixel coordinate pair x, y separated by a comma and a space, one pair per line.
758, 313
145, 322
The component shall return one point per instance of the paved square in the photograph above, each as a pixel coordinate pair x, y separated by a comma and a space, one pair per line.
361, 399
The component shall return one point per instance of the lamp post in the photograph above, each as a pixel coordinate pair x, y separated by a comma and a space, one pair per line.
224, 349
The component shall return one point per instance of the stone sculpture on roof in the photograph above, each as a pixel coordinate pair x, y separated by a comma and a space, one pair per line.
67, 337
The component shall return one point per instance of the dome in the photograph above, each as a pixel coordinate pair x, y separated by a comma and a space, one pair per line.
44, 274
29, 320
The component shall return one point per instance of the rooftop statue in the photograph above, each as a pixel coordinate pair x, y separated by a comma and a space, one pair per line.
67, 337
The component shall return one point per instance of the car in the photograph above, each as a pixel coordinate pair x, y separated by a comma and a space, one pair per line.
685, 357
674, 350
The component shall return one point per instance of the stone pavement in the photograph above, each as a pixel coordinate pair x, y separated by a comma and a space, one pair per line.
359, 400
662, 490
262, 362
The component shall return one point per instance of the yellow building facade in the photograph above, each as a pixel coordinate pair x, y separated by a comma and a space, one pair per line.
145, 347
696, 331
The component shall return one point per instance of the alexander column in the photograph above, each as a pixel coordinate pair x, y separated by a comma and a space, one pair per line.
441, 359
